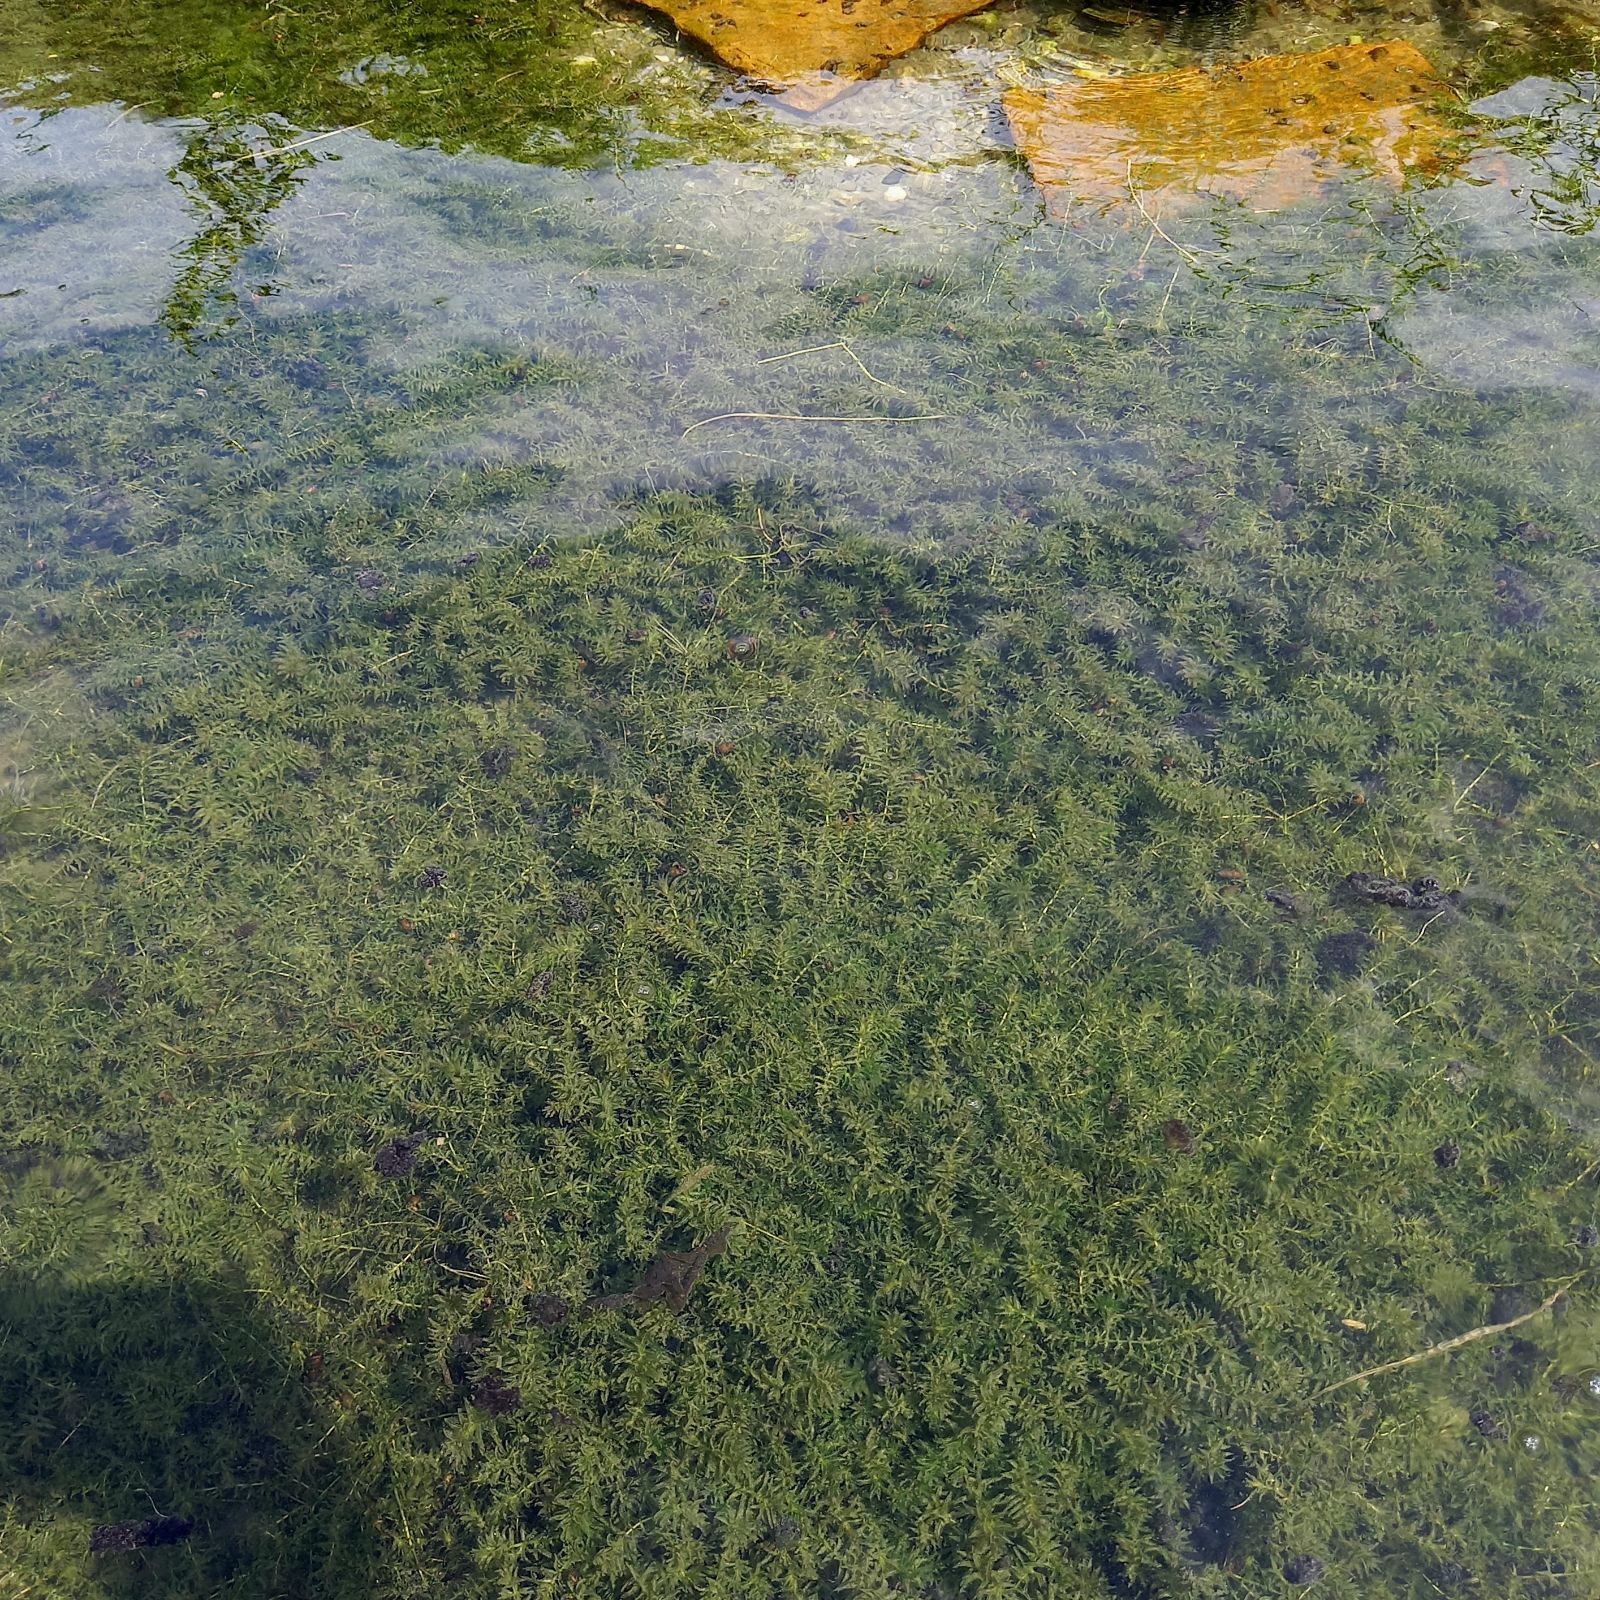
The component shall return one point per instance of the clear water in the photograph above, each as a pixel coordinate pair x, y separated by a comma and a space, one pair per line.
593, 667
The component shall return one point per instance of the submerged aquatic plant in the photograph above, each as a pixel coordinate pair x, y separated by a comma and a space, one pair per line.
1008, 933
901, 1014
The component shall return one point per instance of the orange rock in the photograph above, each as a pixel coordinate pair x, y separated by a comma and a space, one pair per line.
1269, 132
812, 51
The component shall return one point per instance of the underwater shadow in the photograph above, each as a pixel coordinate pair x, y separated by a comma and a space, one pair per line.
167, 1421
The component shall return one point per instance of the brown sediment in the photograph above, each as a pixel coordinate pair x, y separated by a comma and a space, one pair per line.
1268, 132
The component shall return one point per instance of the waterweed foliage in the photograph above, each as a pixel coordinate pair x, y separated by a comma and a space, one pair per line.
893, 945
421, 908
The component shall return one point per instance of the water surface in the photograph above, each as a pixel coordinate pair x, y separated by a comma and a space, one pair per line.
593, 666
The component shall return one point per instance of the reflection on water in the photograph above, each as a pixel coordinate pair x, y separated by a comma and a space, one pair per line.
1271, 133
730, 867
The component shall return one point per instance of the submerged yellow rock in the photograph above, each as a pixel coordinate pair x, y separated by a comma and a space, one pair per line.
1268, 132
812, 52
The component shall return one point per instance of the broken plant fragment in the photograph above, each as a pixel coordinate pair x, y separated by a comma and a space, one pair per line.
1426, 894
1268, 132
119, 1538
495, 1393
670, 1277
883, 1375
549, 1310
1178, 1136
812, 52
399, 1156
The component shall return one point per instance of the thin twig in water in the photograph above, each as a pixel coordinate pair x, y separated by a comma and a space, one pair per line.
1161, 310
1450, 1344
1572, 1183
838, 344
1189, 255
800, 416
293, 145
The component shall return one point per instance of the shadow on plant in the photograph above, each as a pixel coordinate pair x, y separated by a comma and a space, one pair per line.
160, 1443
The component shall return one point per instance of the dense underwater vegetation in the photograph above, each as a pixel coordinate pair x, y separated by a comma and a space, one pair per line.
717, 680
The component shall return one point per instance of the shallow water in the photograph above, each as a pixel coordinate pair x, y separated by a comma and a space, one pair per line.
589, 660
